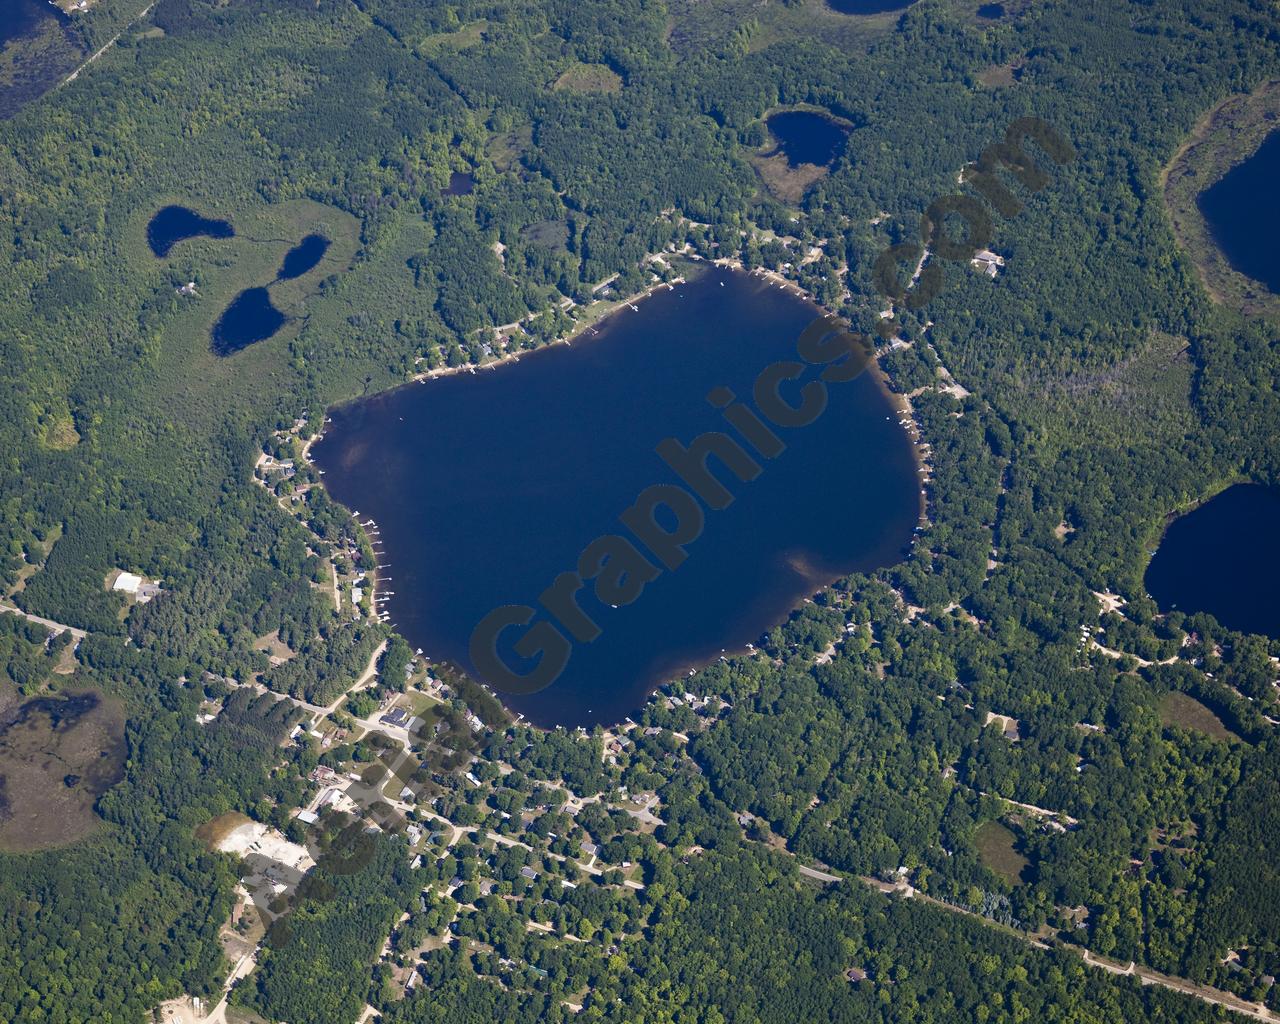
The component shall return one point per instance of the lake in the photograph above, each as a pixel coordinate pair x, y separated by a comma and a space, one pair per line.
175, 224
22, 18
1223, 558
303, 257
487, 485
251, 317
805, 137
991, 12
37, 50
1243, 214
868, 6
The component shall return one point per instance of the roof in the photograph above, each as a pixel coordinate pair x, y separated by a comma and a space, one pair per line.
127, 582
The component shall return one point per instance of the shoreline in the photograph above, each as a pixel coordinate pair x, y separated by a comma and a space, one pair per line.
900, 404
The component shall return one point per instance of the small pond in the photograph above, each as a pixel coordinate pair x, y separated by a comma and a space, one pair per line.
1224, 558
303, 257
175, 224
251, 318
1243, 214
991, 12
460, 184
868, 6
805, 137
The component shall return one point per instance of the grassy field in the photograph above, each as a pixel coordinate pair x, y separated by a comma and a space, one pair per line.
190, 391
416, 702
997, 847
588, 78
53, 776
1181, 711
459, 39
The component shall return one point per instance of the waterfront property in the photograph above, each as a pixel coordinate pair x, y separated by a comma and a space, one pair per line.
487, 486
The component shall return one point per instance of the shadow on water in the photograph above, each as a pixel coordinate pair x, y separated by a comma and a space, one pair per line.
486, 486
1223, 558
251, 317
303, 257
805, 137
175, 224
1243, 214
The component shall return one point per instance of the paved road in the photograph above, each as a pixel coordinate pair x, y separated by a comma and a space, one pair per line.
1145, 975
821, 876
56, 627
110, 42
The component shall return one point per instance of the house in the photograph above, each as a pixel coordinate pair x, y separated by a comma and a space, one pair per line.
988, 262
396, 716
135, 586
528, 872
322, 774
855, 974
308, 817
127, 582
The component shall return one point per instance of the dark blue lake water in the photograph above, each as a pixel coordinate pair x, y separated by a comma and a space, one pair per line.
485, 486
1224, 558
1243, 214
991, 11
250, 318
19, 18
868, 6
39, 51
303, 257
175, 224
807, 138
